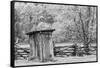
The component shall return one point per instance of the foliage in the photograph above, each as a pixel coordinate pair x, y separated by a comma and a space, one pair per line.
72, 23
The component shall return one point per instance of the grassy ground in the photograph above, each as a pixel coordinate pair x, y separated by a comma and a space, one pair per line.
57, 60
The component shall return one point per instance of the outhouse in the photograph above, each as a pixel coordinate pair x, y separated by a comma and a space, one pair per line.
41, 44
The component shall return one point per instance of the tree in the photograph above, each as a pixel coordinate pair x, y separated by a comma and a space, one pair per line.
83, 27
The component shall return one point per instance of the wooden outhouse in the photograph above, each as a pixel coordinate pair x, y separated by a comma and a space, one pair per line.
41, 44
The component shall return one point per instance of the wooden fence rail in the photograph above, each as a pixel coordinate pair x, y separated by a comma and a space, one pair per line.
58, 51
72, 51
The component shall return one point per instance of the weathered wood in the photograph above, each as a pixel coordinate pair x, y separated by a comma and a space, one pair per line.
41, 45
32, 47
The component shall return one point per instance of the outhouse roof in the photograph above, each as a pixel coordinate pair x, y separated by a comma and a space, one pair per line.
40, 31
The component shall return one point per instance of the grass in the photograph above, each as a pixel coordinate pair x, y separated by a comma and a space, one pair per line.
57, 60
